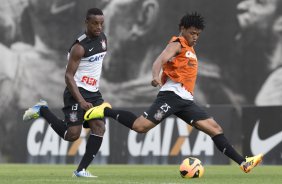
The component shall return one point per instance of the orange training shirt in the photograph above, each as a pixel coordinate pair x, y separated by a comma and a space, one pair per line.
182, 68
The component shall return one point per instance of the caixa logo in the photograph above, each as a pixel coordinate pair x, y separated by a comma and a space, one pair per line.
97, 57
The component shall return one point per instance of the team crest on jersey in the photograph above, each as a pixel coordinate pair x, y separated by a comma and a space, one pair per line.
190, 54
159, 115
73, 116
104, 46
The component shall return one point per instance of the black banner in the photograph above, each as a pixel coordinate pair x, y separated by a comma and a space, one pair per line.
262, 130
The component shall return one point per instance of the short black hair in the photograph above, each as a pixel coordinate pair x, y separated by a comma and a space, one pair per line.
93, 11
192, 20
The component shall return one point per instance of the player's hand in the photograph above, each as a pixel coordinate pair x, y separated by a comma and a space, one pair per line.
85, 105
156, 82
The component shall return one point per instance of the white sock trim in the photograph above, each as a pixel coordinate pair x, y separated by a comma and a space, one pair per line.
96, 135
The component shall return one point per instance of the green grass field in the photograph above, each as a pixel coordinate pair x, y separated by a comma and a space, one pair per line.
135, 174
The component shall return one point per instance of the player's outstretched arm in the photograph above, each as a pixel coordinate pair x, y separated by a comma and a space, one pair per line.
171, 50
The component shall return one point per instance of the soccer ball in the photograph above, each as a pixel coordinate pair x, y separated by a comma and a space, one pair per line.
191, 168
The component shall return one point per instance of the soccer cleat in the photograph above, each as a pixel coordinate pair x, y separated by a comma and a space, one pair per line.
251, 162
83, 173
34, 112
96, 112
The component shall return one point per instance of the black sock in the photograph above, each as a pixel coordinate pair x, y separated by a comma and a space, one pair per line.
124, 117
58, 125
223, 145
92, 147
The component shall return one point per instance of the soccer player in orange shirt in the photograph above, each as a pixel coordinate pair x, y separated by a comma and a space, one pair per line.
179, 65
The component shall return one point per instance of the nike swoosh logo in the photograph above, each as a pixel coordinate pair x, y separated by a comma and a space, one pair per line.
55, 9
89, 113
91, 49
263, 146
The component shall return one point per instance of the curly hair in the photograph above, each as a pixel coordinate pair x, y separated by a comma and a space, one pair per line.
192, 20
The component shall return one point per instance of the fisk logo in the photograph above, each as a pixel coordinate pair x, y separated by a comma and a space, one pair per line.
263, 146
164, 145
89, 80
42, 141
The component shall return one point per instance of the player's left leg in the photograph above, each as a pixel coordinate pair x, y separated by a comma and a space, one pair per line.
251, 162
197, 117
211, 127
94, 142
92, 146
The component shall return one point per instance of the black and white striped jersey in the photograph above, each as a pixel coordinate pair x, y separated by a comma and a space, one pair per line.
89, 70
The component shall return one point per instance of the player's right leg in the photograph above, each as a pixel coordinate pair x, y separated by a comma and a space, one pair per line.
41, 109
126, 118
34, 111
73, 117
96, 112
158, 111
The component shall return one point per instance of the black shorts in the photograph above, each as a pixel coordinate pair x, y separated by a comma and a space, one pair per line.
74, 114
168, 103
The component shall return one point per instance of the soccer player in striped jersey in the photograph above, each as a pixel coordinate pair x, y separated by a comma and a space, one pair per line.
82, 77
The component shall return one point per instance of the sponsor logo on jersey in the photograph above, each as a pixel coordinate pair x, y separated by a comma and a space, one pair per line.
97, 57
190, 54
89, 80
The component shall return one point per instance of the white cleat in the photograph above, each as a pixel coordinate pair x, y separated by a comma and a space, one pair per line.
34, 112
83, 173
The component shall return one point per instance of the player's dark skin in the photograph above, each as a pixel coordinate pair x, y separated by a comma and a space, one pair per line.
94, 26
